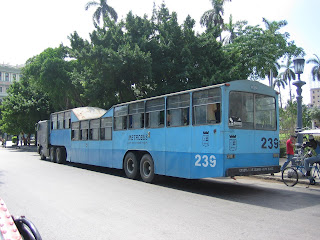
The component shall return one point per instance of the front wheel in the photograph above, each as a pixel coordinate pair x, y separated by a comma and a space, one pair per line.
53, 154
42, 156
147, 168
290, 176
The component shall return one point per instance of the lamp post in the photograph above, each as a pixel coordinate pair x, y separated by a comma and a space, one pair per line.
298, 68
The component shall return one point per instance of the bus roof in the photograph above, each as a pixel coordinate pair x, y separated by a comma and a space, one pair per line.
84, 113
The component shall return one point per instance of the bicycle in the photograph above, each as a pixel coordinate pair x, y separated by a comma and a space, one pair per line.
290, 175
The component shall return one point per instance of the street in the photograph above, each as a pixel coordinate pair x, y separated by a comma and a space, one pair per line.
77, 202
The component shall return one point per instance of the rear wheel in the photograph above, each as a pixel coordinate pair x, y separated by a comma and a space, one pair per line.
131, 165
61, 155
53, 154
147, 168
290, 176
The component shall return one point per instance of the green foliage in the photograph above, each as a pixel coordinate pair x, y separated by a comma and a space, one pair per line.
23, 108
256, 50
288, 118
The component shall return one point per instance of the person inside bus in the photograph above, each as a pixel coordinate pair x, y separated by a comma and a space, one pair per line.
311, 160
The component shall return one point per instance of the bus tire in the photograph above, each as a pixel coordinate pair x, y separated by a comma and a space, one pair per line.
53, 154
131, 165
147, 168
42, 156
60, 155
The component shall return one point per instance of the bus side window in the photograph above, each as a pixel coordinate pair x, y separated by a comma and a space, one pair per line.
67, 120
84, 127
178, 110
120, 117
94, 129
61, 121
206, 106
106, 129
155, 113
54, 121
75, 131
136, 115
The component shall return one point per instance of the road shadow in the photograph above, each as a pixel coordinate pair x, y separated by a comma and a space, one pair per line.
246, 192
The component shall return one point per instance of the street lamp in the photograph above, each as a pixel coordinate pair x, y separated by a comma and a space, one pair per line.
298, 68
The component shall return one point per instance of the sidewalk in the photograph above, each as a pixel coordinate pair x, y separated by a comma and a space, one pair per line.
278, 176
10, 145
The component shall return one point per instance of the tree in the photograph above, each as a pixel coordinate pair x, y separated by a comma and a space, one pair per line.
288, 74
23, 108
256, 51
103, 10
315, 71
280, 82
49, 72
212, 19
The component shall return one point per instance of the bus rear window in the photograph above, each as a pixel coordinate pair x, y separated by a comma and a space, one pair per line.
252, 111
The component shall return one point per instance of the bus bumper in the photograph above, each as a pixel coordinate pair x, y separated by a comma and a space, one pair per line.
247, 171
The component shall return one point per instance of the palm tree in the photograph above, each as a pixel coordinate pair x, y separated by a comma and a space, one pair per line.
213, 17
280, 82
288, 74
230, 28
102, 10
315, 71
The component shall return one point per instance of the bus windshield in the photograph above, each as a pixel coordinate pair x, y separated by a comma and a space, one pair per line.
252, 111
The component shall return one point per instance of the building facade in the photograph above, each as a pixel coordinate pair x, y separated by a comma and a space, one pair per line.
315, 96
8, 74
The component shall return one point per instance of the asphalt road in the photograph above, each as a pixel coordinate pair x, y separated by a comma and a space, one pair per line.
76, 202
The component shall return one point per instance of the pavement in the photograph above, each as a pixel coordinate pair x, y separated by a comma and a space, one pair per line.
274, 177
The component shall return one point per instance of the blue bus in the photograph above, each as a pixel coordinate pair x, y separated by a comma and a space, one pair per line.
230, 129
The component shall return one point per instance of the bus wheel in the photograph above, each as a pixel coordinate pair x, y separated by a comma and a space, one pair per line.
60, 155
131, 166
147, 168
42, 156
53, 154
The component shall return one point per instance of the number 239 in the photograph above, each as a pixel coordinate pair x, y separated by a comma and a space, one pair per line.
269, 143
205, 161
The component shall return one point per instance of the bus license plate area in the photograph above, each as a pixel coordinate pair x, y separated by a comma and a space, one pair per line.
246, 171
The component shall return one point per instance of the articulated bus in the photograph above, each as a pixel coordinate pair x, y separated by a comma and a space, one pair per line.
230, 129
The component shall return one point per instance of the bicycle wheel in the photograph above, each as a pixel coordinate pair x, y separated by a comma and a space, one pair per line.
290, 176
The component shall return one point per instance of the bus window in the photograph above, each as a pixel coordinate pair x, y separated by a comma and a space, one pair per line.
54, 121
252, 111
136, 115
106, 129
155, 113
61, 121
265, 112
67, 117
84, 127
178, 110
241, 110
120, 117
75, 131
94, 129
206, 106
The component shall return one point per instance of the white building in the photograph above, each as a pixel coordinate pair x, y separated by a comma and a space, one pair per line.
8, 74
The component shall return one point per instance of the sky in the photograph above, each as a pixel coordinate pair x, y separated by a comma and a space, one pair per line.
29, 27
